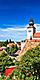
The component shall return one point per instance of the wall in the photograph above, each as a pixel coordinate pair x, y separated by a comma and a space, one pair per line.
28, 33
22, 45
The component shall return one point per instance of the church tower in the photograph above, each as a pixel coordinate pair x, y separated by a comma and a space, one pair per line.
30, 29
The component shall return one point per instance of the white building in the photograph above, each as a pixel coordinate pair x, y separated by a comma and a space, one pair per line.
31, 31
32, 35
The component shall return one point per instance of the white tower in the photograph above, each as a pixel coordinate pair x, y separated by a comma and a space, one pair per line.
30, 29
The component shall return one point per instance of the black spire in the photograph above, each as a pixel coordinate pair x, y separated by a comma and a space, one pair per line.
31, 22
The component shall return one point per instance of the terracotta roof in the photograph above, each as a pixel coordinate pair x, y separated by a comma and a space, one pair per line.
35, 40
10, 44
36, 35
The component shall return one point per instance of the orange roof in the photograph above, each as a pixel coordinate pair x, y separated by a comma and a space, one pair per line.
36, 35
10, 44
35, 40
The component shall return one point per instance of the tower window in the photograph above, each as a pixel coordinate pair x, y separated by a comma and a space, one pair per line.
29, 31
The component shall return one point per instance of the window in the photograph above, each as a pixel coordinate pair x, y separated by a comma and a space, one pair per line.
29, 31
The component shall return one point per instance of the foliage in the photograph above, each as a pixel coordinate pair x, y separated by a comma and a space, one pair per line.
4, 43
12, 49
29, 66
5, 61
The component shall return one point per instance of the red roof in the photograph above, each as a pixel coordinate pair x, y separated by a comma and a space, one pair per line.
9, 70
36, 35
35, 40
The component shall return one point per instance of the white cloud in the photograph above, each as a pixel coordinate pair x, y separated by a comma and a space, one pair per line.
15, 34
3, 35
13, 29
17, 28
8, 25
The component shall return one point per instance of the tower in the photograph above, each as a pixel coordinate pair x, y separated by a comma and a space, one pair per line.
30, 29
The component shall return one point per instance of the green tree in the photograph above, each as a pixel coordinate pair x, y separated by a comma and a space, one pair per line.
29, 66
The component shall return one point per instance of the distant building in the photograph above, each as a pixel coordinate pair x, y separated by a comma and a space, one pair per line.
10, 44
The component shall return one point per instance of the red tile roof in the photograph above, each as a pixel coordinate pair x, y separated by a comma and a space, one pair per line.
36, 35
9, 70
10, 44
35, 40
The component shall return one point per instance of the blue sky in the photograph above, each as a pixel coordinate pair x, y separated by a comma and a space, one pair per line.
15, 14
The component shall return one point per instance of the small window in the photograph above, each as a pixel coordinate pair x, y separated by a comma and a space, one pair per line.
29, 31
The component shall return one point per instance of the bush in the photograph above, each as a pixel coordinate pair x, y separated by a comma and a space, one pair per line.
29, 66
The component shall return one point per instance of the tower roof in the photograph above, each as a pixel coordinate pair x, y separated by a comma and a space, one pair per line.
31, 22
